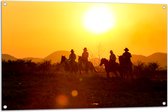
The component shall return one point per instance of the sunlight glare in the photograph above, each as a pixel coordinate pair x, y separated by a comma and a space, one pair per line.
74, 93
62, 100
99, 19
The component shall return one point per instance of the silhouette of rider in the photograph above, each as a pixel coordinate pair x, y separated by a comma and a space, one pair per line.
127, 56
72, 56
85, 55
112, 57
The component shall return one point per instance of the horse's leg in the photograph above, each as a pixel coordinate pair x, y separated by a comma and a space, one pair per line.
80, 70
130, 76
70, 69
78, 65
126, 73
121, 74
120, 69
108, 76
93, 68
73, 67
76, 68
65, 67
116, 74
131, 73
86, 68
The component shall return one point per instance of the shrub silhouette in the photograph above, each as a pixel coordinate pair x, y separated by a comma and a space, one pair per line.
146, 71
22, 67
153, 67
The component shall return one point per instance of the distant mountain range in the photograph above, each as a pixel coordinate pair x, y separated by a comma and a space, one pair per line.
160, 58
36, 60
55, 57
7, 57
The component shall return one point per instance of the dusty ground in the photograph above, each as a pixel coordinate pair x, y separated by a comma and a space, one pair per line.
44, 90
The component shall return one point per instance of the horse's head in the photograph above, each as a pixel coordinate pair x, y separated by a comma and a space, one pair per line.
103, 61
120, 58
63, 58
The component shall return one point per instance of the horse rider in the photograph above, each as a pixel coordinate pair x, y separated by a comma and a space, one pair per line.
72, 56
85, 55
127, 56
112, 58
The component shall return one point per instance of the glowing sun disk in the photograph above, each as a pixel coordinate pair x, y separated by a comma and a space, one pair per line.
99, 19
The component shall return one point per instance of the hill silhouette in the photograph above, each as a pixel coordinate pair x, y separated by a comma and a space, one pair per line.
36, 60
55, 57
160, 58
6, 57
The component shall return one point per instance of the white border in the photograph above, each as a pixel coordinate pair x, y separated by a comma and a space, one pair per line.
148, 109
108, 1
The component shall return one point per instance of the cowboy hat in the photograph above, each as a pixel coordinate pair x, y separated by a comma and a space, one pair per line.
85, 49
126, 49
72, 50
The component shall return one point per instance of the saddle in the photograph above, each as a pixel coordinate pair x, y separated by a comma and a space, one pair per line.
112, 64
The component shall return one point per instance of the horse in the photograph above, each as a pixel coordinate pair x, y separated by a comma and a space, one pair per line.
85, 65
70, 66
110, 67
126, 67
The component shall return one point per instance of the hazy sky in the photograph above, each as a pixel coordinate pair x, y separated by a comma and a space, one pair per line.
36, 29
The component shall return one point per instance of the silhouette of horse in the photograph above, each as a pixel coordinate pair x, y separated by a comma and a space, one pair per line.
110, 67
85, 65
70, 66
125, 67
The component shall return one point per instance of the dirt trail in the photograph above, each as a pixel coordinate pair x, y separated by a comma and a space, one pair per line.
44, 91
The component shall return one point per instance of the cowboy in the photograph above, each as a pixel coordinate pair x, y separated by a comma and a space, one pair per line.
127, 56
85, 55
112, 56
72, 56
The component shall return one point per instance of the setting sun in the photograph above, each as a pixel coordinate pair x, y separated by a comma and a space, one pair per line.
99, 19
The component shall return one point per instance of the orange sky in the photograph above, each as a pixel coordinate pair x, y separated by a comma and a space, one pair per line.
36, 29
